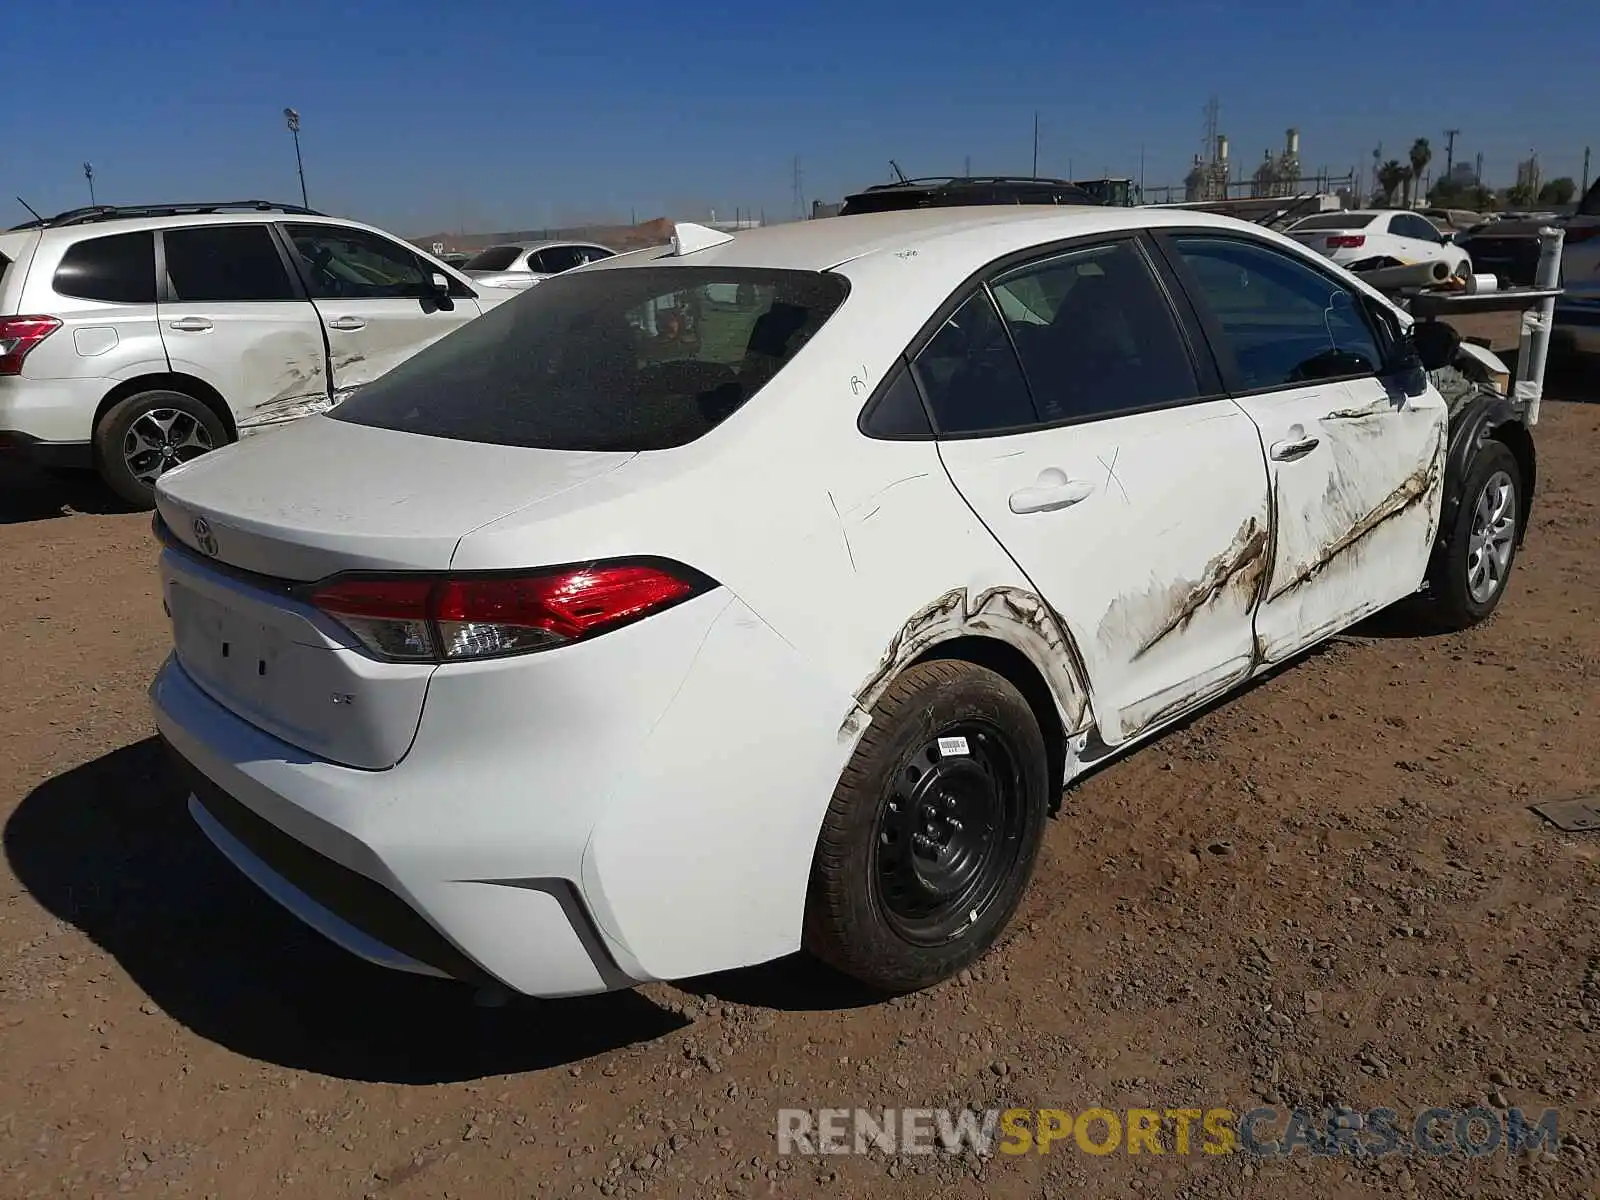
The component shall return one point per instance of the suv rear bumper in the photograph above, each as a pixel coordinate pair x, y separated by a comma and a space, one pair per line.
53, 411
52, 455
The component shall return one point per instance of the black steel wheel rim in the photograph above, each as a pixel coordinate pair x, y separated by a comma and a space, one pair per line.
949, 833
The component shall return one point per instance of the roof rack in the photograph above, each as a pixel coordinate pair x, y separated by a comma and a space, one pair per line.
116, 212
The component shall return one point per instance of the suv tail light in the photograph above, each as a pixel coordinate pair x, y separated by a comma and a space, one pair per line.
18, 335
1347, 241
429, 618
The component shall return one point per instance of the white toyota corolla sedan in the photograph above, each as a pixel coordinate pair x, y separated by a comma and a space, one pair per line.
761, 593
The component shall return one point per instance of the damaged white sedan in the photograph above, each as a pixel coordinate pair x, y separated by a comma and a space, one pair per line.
762, 593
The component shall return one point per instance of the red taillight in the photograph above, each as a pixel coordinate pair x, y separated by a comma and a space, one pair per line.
18, 335
1347, 241
425, 618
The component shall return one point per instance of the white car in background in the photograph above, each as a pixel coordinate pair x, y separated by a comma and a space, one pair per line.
1358, 238
522, 264
587, 648
134, 339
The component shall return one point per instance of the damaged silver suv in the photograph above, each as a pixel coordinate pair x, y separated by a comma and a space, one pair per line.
133, 339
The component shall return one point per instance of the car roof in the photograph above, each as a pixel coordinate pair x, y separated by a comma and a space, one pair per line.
982, 233
99, 228
544, 245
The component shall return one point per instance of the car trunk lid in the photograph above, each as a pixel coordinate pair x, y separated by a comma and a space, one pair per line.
244, 534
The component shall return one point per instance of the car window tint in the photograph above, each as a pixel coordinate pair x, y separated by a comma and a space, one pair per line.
352, 264
970, 373
646, 358
119, 269
563, 258
898, 413
495, 258
216, 264
1285, 322
1095, 334
1409, 226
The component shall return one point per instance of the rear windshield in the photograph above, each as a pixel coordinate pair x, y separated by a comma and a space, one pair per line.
495, 258
1589, 206
1336, 221
640, 358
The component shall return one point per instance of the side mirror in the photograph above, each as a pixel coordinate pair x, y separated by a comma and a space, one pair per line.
439, 284
1434, 344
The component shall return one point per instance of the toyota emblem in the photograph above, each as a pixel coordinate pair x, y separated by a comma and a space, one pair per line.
203, 537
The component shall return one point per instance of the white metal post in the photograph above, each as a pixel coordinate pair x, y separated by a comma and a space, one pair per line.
1534, 351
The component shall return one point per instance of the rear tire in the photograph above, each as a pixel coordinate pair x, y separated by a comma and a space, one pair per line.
144, 435
924, 856
1471, 568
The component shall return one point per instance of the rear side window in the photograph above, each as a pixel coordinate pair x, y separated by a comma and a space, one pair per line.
495, 258
118, 269
1095, 334
643, 358
218, 264
970, 374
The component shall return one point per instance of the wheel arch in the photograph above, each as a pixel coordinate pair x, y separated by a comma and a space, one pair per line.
1489, 418
1007, 661
170, 381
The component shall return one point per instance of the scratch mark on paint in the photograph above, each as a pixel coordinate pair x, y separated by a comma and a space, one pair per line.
845, 533
1243, 560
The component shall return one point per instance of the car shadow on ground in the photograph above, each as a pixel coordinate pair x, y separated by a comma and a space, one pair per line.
109, 847
29, 494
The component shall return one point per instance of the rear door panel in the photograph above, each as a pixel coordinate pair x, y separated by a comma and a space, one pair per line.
230, 314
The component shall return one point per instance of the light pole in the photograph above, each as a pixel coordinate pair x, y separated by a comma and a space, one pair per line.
292, 119
88, 173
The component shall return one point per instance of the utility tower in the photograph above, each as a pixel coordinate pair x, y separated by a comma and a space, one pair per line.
799, 192
1450, 136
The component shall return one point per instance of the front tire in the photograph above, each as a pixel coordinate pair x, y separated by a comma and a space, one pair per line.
147, 434
1470, 570
933, 831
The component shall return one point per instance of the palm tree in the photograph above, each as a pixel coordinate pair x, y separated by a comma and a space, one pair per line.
1390, 176
1421, 156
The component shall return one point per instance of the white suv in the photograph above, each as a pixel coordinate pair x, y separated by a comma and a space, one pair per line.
132, 339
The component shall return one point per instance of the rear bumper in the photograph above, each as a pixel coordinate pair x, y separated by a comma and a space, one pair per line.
1577, 328
53, 455
342, 882
50, 411
644, 806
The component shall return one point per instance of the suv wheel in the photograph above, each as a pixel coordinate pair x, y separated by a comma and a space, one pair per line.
149, 433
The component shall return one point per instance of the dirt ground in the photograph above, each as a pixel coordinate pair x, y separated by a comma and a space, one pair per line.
1329, 889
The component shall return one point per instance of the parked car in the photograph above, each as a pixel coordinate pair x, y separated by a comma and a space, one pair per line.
570, 655
1360, 238
1577, 323
521, 264
963, 191
133, 339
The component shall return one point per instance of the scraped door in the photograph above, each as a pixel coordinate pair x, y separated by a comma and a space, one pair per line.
1356, 465
1147, 530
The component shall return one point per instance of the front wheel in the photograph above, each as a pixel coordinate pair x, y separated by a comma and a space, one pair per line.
147, 434
1474, 560
933, 830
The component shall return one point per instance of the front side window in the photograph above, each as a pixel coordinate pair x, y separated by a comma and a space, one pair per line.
219, 264
119, 269
1406, 225
1284, 322
1095, 334
970, 373
353, 264
645, 358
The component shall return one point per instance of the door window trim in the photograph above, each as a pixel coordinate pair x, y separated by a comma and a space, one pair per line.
1209, 380
166, 294
1221, 348
286, 246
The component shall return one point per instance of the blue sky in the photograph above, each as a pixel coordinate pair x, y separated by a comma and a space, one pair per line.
493, 115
